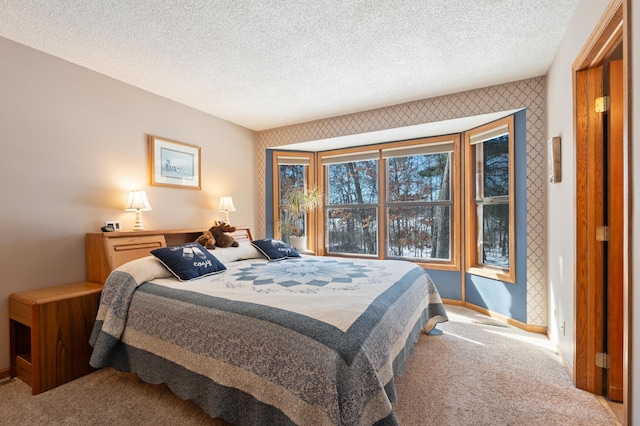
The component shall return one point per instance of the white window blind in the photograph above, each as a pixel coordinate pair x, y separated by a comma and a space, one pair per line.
349, 158
405, 151
293, 161
489, 134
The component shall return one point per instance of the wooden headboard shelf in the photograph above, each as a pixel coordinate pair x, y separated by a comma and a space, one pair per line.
108, 250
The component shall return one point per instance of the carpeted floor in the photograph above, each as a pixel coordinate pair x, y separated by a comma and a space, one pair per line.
476, 373
490, 375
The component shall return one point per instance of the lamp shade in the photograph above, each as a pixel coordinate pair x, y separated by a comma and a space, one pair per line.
138, 201
226, 204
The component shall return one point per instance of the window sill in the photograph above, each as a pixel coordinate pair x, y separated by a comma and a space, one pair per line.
504, 275
439, 266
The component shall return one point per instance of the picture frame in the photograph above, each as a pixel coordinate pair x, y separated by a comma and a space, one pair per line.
174, 164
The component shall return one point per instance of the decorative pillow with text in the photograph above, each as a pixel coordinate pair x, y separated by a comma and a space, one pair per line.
188, 261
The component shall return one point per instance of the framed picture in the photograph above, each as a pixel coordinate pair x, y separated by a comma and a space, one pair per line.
174, 163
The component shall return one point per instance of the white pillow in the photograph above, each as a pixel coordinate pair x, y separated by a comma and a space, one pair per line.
231, 254
145, 269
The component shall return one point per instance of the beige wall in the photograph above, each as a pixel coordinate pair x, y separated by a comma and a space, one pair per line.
73, 143
561, 213
561, 209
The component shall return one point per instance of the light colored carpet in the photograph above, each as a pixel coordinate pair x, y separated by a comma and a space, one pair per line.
490, 375
472, 374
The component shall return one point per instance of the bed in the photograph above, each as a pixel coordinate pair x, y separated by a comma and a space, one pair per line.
303, 340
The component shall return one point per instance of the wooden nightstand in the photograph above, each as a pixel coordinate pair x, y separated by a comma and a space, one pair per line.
49, 332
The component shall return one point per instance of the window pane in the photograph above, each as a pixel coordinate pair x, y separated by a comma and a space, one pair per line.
494, 241
419, 177
496, 166
290, 176
421, 232
353, 183
352, 230
289, 226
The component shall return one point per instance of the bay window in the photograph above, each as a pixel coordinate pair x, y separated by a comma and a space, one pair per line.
396, 200
419, 205
352, 208
490, 217
292, 170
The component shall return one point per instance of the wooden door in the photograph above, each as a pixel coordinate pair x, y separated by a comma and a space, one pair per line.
615, 219
600, 203
608, 43
590, 212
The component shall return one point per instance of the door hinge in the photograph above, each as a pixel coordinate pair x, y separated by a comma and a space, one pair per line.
603, 233
602, 360
602, 104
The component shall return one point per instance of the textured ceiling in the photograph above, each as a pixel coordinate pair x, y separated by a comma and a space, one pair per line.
264, 64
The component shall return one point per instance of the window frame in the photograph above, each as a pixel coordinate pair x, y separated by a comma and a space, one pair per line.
453, 264
322, 236
310, 180
474, 265
455, 195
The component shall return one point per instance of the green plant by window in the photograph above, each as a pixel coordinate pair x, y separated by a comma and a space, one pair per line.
296, 202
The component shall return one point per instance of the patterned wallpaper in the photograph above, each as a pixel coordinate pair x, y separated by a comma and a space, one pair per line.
527, 94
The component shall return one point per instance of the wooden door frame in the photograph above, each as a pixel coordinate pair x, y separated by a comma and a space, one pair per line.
612, 29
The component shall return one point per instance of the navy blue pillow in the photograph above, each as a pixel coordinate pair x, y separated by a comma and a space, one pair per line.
275, 249
188, 261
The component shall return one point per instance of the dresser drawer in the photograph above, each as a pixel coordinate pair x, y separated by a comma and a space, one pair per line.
126, 249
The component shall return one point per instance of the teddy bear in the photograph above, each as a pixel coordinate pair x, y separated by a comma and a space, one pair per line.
220, 236
207, 239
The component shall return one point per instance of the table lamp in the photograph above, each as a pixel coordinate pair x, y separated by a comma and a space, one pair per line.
137, 203
226, 206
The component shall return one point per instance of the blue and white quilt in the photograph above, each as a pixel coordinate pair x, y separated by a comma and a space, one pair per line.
315, 340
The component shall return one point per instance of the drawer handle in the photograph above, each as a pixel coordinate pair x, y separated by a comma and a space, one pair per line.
136, 246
